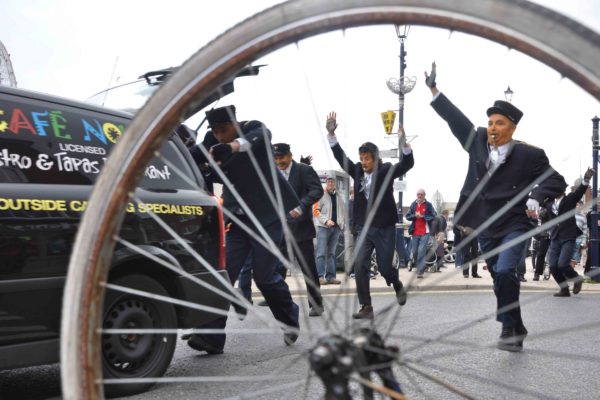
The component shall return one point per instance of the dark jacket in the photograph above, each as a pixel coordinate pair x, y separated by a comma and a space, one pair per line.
567, 229
439, 224
386, 214
240, 171
429, 216
525, 166
307, 185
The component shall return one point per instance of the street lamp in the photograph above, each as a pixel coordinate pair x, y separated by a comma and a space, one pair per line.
400, 87
508, 94
594, 264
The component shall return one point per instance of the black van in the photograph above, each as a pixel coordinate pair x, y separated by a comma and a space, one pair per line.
51, 152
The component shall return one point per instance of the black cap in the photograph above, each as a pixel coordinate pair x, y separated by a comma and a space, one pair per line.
281, 149
507, 109
221, 115
368, 147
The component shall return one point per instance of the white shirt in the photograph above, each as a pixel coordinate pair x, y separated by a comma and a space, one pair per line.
365, 185
286, 172
498, 157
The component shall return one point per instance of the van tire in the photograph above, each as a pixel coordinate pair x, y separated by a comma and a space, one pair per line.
134, 355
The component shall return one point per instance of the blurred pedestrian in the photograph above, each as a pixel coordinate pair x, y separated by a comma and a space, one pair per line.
469, 250
505, 183
581, 240
375, 213
439, 226
307, 185
543, 243
329, 217
421, 213
563, 236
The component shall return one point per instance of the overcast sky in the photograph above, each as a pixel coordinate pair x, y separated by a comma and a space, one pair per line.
71, 48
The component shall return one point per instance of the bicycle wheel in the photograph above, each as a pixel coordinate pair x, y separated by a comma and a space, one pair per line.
524, 27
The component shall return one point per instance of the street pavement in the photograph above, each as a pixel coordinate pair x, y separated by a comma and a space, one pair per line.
446, 316
449, 278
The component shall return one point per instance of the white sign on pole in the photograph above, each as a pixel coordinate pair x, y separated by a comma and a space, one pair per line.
399, 186
391, 153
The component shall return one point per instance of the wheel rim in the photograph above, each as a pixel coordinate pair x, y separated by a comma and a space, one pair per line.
128, 353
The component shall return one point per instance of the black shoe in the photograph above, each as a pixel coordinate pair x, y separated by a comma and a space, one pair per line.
577, 285
521, 334
365, 312
263, 303
315, 311
509, 341
465, 276
199, 344
240, 310
522, 278
562, 293
289, 338
536, 277
476, 276
400, 293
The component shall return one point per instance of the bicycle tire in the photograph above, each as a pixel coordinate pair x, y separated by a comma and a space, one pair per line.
568, 47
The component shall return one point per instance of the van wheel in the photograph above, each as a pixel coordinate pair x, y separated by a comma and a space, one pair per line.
136, 355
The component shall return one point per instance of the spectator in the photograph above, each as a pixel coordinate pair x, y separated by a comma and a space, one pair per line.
439, 225
329, 217
469, 251
581, 240
421, 213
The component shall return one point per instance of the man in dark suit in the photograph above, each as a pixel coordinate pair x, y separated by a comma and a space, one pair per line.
562, 238
307, 185
374, 211
230, 143
505, 183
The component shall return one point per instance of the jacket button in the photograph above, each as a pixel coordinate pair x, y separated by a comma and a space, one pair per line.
514, 186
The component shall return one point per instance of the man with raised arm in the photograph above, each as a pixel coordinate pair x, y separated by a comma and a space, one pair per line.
374, 211
506, 182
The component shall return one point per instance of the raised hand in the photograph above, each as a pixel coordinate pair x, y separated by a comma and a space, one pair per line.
430, 79
402, 136
588, 174
306, 160
331, 124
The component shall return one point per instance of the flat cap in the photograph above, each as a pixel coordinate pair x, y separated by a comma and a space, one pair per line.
221, 115
507, 109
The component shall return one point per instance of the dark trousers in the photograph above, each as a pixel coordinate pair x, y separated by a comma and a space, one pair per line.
540, 256
559, 258
382, 240
470, 255
245, 283
305, 255
239, 245
503, 267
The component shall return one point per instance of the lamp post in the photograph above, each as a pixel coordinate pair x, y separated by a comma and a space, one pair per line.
400, 87
594, 264
508, 94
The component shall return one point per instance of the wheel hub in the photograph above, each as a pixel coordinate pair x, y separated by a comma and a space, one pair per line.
128, 351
